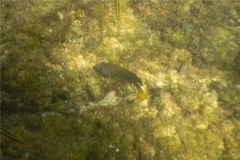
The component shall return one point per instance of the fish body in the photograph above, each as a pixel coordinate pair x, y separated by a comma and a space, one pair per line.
112, 70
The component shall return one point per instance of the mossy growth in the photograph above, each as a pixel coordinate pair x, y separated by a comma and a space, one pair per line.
185, 52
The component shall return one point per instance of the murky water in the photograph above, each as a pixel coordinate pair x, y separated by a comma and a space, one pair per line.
186, 53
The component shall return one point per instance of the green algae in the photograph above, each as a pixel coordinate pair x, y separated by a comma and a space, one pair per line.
186, 52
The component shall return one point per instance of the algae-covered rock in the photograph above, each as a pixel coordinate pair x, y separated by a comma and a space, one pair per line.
185, 52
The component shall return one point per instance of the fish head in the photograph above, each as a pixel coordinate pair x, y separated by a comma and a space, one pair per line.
101, 68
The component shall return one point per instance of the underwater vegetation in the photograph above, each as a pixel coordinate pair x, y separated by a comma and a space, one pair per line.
184, 55
12, 137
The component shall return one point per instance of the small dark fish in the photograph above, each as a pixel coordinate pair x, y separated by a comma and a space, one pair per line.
12, 137
112, 70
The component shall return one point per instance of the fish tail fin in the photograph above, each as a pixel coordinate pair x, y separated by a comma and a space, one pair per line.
141, 94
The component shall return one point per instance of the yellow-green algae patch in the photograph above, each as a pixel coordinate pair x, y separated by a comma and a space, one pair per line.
186, 53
